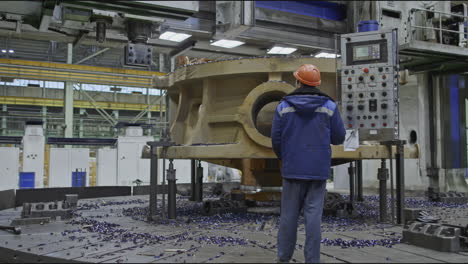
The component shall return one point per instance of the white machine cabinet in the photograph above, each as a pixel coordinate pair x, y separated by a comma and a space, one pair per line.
130, 165
9, 168
107, 167
33, 153
64, 162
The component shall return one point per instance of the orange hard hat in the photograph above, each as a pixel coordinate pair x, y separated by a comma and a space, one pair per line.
308, 74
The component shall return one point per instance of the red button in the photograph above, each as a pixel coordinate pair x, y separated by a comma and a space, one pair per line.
384, 76
384, 124
366, 70
361, 125
349, 79
373, 125
350, 125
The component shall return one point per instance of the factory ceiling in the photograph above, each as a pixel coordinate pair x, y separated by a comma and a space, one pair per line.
39, 30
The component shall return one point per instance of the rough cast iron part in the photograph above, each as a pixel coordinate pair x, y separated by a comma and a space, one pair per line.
335, 204
14, 229
433, 236
213, 207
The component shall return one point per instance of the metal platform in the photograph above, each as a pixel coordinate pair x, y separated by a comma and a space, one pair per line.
114, 230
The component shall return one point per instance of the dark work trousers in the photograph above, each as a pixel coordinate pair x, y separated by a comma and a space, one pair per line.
297, 195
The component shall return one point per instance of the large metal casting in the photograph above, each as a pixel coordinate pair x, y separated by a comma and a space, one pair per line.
221, 112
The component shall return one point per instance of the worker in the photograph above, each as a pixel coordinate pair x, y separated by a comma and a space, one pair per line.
306, 121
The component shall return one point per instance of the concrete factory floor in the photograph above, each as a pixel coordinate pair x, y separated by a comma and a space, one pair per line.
115, 230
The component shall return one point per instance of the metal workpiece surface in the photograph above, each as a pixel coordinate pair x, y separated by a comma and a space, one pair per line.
238, 151
115, 229
252, 65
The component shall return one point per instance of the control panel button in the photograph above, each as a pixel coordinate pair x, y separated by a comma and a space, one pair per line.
361, 95
350, 96
350, 118
350, 125
384, 117
349, 108
361, 125
372, 94
384, 93
376, 117
366, 70
384, 77
369, 117
364, 117
372, 77
384, 106
373, 125
358, 117
384, 84
346, 72
373, 105
384, 124
352, 71
380, 69
360, 107
361, 78
350, 79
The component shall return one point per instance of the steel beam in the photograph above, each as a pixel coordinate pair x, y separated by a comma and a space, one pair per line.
92, 55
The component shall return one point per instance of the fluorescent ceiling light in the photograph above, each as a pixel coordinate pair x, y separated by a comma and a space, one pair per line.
173, 36
281, 50
3, 50
225, 43
326, 55
11, 51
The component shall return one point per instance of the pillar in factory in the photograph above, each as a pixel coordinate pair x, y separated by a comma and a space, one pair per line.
68, 99
33, 154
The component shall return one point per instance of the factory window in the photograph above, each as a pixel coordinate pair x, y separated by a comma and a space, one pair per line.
35, 83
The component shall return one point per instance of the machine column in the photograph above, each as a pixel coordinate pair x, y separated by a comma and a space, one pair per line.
351, 173
199, 184
360, 197
153, 183
172, 189
193, 170
400, 182
382, 175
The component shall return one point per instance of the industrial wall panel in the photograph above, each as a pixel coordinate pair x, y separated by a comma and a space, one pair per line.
130, 165
33, 157
79, 158
106, 167
64, 161
9, 168
127, 163
59, 173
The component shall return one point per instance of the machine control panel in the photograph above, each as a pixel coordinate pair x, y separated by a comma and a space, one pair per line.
369, 84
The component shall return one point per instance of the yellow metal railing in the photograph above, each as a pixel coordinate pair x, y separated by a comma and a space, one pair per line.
13, 100
51, 71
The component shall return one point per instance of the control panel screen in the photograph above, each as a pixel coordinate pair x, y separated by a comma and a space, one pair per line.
366, 52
